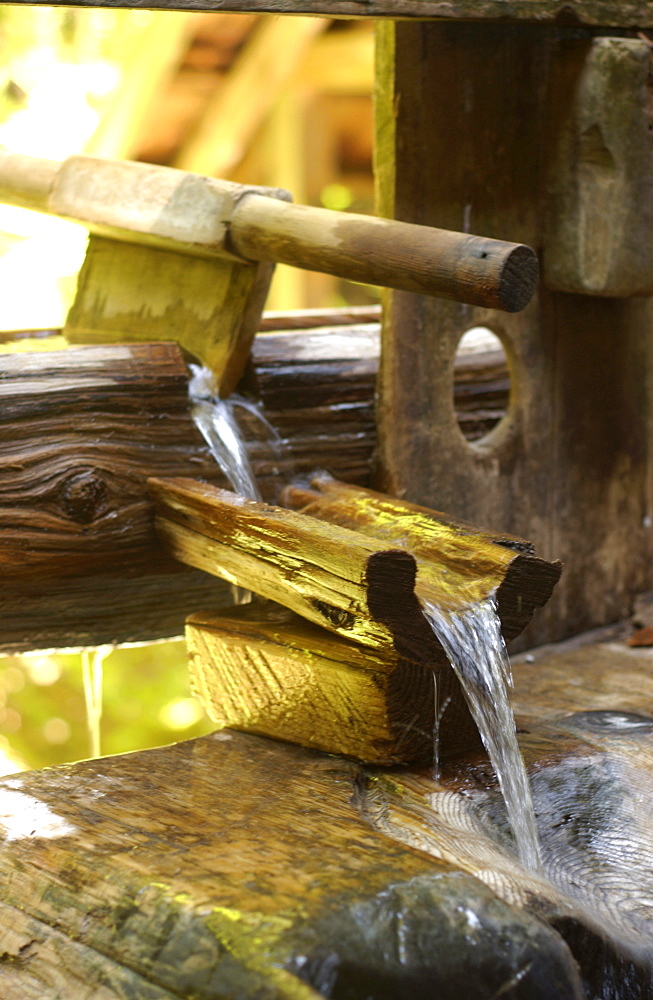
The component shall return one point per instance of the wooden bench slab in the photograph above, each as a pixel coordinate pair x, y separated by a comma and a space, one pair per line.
237, 866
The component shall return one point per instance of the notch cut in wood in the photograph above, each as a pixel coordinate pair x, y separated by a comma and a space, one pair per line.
339, 579
202, 252
456, 562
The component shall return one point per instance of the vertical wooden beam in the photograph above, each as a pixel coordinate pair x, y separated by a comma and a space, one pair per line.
467, 115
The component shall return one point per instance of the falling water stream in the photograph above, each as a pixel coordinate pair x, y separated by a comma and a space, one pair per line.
214, 417
92, 676
472, 640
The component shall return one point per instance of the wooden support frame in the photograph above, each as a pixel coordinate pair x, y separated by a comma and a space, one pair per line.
263, 670
570, 466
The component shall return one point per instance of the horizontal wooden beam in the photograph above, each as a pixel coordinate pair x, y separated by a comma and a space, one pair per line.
80, 431
72, 445
600, 13
257, 668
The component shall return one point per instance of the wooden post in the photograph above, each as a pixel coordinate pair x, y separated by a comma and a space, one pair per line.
569, 467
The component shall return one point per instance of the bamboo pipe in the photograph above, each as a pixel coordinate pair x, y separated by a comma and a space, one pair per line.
471, 269
181, 211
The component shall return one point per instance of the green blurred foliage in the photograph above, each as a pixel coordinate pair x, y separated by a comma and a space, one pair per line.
146, 702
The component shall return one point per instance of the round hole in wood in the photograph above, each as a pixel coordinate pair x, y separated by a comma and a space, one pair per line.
481, 387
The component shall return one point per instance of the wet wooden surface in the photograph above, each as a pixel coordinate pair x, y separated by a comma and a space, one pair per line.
79, 558
266, 671
457, 564
234, 865
339, 579
360, 565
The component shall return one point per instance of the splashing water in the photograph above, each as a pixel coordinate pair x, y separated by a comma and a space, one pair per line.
472, 640
92, 675
214, 418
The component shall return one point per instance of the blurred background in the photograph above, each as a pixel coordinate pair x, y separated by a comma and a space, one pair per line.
284, 102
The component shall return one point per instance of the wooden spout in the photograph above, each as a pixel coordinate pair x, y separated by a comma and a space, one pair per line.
363, 691
457, 564
174, 210
339, 579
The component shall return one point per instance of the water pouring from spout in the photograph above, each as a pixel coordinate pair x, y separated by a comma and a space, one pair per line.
471, 638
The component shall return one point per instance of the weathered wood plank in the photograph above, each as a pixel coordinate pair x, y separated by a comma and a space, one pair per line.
455, 562
40, 962
80, 431
607, 13
336, 578
263, 671
233, 865
272, 677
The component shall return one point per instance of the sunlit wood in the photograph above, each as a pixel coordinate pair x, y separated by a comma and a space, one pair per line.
248, 94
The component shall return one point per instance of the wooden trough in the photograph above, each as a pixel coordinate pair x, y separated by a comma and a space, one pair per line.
240, 865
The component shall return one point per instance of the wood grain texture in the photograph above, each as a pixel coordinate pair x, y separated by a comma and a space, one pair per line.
570, 466
607, 13
336, 578
455, 562
234, 864
237, 866
63, 417
317, 388
268, 672
80, 431
334, 564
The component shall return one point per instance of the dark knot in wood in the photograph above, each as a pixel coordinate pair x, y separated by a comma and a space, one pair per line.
83, 496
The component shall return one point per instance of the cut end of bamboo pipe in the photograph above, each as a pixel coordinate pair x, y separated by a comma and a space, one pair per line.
518, 278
